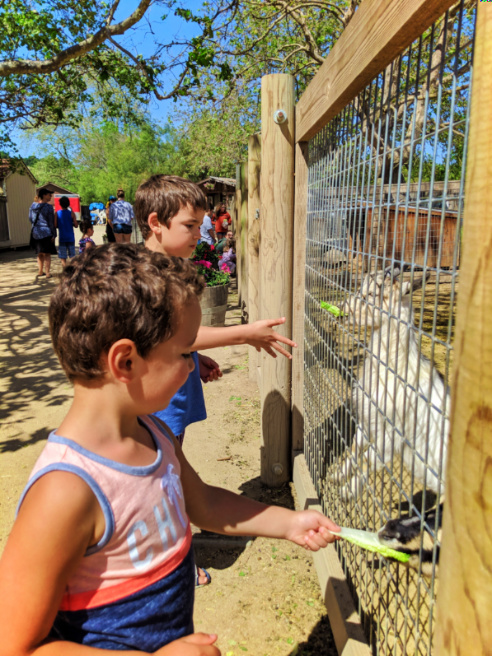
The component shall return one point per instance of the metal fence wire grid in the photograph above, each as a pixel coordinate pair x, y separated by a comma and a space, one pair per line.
385, 204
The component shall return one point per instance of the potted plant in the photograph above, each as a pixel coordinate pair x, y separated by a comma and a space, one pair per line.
214, 297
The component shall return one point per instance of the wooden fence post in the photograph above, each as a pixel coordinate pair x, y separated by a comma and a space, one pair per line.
237, 201
253, 254
242, 259
301, 201
241, 232
465, 586
276, 263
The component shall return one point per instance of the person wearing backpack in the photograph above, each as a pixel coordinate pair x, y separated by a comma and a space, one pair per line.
65, 222
43, 233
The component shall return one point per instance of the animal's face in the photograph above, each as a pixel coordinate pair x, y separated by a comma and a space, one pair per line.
378, 293
402, 533
417, 538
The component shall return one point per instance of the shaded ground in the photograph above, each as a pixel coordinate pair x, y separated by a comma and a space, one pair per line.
264, 598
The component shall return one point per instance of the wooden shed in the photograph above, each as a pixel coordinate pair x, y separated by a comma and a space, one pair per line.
219, 190
54, 188
406, 237
17, 191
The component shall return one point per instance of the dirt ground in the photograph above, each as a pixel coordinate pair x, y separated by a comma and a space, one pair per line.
264, 598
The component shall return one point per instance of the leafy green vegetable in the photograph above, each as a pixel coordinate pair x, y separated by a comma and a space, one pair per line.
331, 308
371, 542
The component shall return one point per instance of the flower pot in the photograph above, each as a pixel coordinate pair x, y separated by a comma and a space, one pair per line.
214, 305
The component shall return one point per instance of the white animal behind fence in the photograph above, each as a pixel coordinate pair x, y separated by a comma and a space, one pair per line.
400, 399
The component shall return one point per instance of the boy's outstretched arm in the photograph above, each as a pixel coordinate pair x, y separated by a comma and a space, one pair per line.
260, 334
56, 523
222, 511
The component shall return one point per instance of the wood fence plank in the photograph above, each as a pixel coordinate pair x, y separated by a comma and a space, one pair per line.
276, 224
242, 234
464, 602
300, 217
254, 157
379, 32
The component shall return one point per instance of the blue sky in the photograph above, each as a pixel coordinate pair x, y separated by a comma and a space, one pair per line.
141, 37
140, 40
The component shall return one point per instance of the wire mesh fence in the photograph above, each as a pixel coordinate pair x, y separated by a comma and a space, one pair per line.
385, 203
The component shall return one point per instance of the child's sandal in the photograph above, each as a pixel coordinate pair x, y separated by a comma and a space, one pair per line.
197, 577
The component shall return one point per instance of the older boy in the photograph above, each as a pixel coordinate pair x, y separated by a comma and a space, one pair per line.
169, 211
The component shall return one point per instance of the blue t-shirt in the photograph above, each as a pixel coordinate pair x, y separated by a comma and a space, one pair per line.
121, 212
188, 404
65, 226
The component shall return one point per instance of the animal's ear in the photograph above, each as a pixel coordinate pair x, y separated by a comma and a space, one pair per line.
406, 288
418, 282
392, 273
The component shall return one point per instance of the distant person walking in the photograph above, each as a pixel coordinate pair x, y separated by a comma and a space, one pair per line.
65, 222
42, 218
120, 218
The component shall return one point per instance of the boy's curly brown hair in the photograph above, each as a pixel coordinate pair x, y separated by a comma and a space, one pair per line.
117, 291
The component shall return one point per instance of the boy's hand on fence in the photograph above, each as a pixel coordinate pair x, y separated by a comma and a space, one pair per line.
209, 369
196, 644
312, 530
261, 335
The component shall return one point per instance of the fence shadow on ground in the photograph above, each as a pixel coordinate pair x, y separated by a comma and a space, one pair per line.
320, 641
29, 369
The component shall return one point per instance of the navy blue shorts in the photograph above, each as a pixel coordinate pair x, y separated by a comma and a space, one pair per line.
122, 229
66, 249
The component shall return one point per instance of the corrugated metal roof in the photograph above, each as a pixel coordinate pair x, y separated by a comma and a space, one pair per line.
212, 178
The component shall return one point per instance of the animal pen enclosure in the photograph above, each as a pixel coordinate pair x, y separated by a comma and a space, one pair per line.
376, 399
378, 232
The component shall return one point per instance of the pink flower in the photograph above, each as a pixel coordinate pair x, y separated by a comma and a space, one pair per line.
204, 263
212, 247
225, 267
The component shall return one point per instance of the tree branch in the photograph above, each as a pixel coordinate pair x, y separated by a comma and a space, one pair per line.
32, 66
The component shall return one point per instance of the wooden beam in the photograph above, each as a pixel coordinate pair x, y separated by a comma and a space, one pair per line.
253, 251
242, 246
464, 603
344, 619
301, 181
379, 32
277, 220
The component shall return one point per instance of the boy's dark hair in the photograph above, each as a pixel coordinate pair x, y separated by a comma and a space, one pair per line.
165, 195
44, 192
120, 193
64, 202
85, 225
117, 291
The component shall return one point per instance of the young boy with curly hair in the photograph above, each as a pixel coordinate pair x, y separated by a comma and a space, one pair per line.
99, 559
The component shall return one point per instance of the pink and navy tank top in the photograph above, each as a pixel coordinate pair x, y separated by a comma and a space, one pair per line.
143, 559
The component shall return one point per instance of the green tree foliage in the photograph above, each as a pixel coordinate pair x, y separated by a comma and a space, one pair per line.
213, 139
251, 38
95, 160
